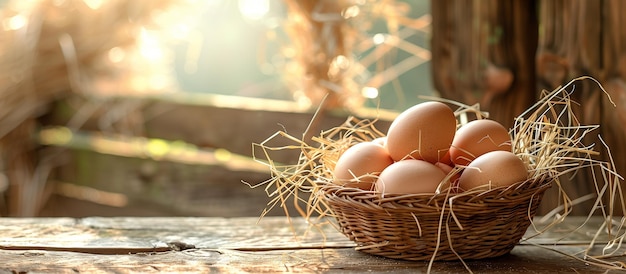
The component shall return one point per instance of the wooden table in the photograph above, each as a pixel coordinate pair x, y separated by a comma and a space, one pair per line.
123, 245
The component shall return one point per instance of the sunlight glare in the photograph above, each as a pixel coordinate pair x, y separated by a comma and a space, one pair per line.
341, 61
379, 39
94, 4
223, 155
149, 46
116, 54
369, 92
14, 23
351, 11
157, 148
158, 82
254, 9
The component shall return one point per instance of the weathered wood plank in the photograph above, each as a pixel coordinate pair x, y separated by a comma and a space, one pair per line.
147, 233
172, 188
213, 121
213, 233
124, 245
521, 260
172, 184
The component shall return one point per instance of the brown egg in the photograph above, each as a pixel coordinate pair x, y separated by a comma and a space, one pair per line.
409, 177
446, 159
380, 140
444, 167
424, 132
477, 138
452, 174
360, 165
493, 169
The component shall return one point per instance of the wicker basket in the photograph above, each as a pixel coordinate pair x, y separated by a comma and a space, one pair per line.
473, 226
449, 226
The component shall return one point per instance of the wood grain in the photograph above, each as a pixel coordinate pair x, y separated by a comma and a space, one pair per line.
468, 37
587, 38
125, 245
181, 186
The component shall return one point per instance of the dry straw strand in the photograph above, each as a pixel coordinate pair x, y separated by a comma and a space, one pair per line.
548, 137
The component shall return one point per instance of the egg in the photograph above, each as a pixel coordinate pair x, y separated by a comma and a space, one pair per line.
380, 140
444, 167
409, 177
477, 138
423, 132
446, 159
493, 169
452, 174
360, 165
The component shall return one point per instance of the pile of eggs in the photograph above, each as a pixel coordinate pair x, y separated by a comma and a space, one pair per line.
423, 150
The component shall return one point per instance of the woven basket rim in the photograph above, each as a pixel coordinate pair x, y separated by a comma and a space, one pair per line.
476, 196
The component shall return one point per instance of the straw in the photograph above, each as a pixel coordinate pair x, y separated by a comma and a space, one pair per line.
474, 224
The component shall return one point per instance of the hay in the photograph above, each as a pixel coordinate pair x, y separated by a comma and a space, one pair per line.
330, 49
548, 137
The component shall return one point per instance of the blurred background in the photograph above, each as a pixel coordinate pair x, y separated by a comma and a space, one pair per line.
151, 107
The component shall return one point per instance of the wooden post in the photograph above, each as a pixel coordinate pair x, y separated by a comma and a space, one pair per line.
483, 52
19, 157
587, 38
474, 39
